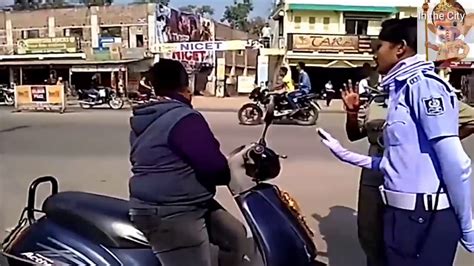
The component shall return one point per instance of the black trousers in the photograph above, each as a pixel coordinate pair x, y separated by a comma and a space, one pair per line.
370, 224
181, 235
420, 237
329, 96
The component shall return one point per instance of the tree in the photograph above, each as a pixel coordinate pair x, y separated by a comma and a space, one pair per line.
237, 14
205, 10
55, 3
25, 5
162, 2
96, 2
31, 4
256, 24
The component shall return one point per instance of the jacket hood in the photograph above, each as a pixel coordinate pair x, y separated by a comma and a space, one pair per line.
144, 116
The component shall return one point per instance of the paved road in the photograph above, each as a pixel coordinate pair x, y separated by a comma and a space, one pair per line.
89, 151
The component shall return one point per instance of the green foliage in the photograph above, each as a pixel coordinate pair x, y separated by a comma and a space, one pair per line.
163, 2
256, 24
96, 2
237, 14
205, 10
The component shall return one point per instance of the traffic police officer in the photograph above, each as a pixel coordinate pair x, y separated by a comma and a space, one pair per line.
370, 205
426, 172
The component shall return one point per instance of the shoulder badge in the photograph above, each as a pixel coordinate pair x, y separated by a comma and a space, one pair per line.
433, 106
413, 80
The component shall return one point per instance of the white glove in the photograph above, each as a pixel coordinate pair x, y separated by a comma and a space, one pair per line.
347, 156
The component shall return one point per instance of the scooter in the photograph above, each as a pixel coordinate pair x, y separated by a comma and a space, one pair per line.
80, 228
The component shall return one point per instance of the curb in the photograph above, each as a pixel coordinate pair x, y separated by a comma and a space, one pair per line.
202, 109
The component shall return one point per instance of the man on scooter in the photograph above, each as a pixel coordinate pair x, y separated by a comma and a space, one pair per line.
304, 85
177, 164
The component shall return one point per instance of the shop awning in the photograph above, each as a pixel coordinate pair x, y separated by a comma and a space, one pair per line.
63, 62
343, 8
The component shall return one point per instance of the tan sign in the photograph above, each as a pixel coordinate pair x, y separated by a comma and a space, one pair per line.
47, 45
34, 97
325, 43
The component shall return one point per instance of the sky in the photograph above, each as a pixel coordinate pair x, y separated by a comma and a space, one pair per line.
261, 7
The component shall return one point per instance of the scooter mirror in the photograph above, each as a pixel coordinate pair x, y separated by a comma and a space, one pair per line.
268, 119
269, 113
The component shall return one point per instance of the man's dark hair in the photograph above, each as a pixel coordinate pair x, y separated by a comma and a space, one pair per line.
398, 31
168, 76
302, 65
284, 69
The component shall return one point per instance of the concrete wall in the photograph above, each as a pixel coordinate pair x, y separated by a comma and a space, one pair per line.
132, 19
336, 23
224, 32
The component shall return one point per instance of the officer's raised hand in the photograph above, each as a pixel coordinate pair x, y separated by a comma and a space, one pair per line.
467, 240
350, 96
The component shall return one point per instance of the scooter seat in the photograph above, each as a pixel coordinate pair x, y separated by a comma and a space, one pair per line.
101, 219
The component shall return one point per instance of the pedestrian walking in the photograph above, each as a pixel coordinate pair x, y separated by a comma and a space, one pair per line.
426, 189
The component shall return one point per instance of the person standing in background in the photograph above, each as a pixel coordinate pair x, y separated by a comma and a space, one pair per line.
330, 92
266, 35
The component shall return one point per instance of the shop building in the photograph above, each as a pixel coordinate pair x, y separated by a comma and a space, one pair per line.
119, 42
76, 43
333, 40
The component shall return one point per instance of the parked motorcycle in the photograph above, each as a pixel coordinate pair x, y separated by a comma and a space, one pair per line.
7, 95
306, 114
80, 228
102, 95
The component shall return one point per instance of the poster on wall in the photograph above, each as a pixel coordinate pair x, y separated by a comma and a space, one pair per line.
446, 31
174, 26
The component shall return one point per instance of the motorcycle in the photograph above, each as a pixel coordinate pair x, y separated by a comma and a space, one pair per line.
136, 98
306, 114
103, 95
82, 228
7, 95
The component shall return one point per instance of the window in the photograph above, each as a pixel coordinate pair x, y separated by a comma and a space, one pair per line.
115, 32
280, 27
73, 32
27, 34
297, 22
312, 23
356, 26
326, 21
